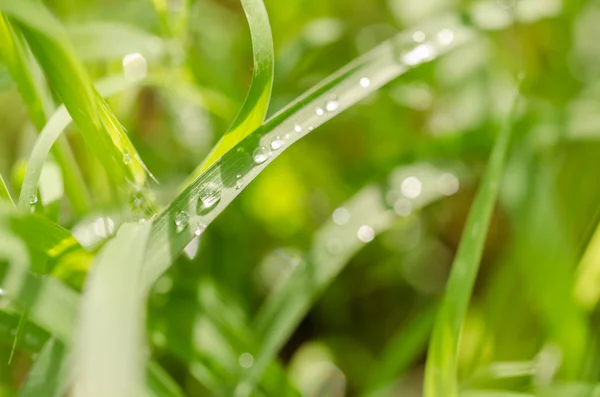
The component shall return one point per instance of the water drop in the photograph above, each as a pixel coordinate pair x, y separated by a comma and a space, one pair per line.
341, 216
403, 207
332, 105
261, 154
297, 127
135, 66
319, 111
287, 136
411, 187
277, 143
365, 233
445, 36
209, 195
240, 150
365, 82
126, 158
246, 360
420, 54
419, 36
33, 199
239, 183
181, 220
448, 184
311, 128
199, 229
1, 292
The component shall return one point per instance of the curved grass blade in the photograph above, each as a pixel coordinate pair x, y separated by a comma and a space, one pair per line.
369, 213
25, 73
4, 194
440, 370
109, 349
231, 173
51, 133
50, 44
254, 109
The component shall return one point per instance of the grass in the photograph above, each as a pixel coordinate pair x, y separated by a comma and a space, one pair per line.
344, 268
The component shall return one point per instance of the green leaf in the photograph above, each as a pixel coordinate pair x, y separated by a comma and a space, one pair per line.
441, 371
31, 85
49, 43
109, 349
47, 373
403, 349
4, 194
51, 133
254, 109
369, 213
231, 173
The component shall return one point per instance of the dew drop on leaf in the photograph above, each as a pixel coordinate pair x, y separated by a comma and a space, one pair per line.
261, 154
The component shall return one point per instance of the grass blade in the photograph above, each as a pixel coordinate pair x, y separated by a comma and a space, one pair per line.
26, 74
333, 246
47, 373
441, 371
378, 67
109, 349
52, 132
50, 45
402, 350
4, 194
231, 173
254, 109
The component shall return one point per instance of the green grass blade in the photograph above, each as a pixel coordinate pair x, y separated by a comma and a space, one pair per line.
4, 194
254, 109
50, 45
51, 133
441, 371
45, 379
586, 291
333, 246
14, 54
109, 349
402, 350
25, 73
231, 173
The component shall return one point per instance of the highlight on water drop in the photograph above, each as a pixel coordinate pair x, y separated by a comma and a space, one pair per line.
261, 154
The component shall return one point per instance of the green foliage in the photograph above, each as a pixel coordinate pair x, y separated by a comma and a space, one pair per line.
346, 267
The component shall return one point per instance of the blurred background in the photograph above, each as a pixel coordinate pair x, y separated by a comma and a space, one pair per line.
525, 325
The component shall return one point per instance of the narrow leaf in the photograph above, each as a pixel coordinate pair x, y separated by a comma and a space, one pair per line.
109, 349
441, 370
254, 109
50, 45
4, 194
45, 379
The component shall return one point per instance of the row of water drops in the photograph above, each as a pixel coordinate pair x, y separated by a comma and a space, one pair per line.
411, 189
210, 193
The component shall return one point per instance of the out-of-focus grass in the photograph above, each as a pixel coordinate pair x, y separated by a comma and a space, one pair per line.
528, 326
